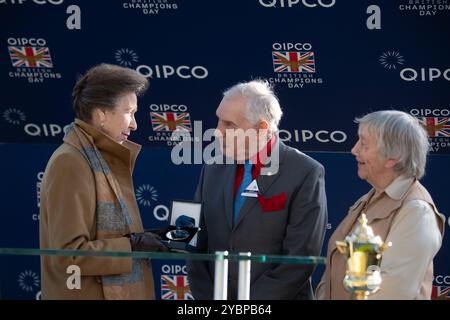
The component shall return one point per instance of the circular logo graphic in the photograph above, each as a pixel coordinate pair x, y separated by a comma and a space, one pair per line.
146, 194
126, 57
28, 280
391, 60
14, 116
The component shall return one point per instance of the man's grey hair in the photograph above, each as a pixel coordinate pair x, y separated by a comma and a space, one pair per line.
261, 102
400, 136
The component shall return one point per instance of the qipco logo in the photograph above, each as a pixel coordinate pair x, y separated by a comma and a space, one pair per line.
323, 136
442, 280
40, 2
166, 71
173, 269
161, 212
291, 3
34, 42
424, 74
288, 46
44, 130
54, 2
168, 107
430, 112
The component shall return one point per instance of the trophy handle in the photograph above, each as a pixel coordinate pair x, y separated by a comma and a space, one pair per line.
342, 247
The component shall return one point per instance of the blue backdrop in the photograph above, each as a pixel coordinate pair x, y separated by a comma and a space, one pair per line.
330, 61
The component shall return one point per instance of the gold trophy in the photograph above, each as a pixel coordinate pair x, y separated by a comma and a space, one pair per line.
363, 251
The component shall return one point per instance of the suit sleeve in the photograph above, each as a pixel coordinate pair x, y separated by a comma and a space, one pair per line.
70, 219
199, 275
304, 237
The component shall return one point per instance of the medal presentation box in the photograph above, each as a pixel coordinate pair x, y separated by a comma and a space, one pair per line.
184, 225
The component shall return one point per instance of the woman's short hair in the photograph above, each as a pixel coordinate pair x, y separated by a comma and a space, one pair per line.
101, 86
400, 136
261, 102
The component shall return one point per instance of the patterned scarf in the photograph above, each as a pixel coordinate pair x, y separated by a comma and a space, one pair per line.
112, 215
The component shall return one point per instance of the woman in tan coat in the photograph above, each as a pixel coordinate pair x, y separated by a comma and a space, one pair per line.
87, 194
391, 155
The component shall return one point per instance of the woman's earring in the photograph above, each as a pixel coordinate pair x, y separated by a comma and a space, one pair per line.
102, 124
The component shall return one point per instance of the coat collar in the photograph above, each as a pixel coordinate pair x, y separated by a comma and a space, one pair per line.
113, 152
393, 197
399, 187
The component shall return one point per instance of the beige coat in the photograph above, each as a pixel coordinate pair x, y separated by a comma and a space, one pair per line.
380, 214
68, 219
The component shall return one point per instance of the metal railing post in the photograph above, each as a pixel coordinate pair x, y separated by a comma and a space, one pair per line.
221, 276
244, 277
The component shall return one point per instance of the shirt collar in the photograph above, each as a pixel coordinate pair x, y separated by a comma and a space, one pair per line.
399, 187
260, 158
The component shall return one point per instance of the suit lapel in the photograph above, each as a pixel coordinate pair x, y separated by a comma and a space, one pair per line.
228, 192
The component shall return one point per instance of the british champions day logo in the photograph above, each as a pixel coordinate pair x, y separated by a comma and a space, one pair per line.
425, 7
299, 3
168, 118
31, 59
174, 283
150, 7
294, 65
441, 287
436, 122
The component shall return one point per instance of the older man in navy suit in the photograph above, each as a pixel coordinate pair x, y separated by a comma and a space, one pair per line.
270, 199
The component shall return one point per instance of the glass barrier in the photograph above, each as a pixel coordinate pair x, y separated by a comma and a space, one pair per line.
170, 282
163, 255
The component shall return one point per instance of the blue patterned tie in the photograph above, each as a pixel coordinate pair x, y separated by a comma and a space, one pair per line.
246, 180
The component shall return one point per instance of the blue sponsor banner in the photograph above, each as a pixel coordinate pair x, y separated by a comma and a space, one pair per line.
329, 60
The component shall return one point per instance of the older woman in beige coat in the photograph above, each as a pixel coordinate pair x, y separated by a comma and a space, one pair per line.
391, 156
87, 194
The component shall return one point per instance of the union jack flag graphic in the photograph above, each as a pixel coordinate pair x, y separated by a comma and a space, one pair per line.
174, 287
292, 61
440, 293
170, 121
436, 126
31, 57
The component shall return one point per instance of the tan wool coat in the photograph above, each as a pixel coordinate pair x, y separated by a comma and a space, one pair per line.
380, 214
68, 220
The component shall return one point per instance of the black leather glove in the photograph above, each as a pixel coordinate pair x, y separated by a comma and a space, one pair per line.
146, 241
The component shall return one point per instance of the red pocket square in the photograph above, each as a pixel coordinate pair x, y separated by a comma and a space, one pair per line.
274, 203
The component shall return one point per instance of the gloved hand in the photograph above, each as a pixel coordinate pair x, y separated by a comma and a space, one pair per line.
146, 241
